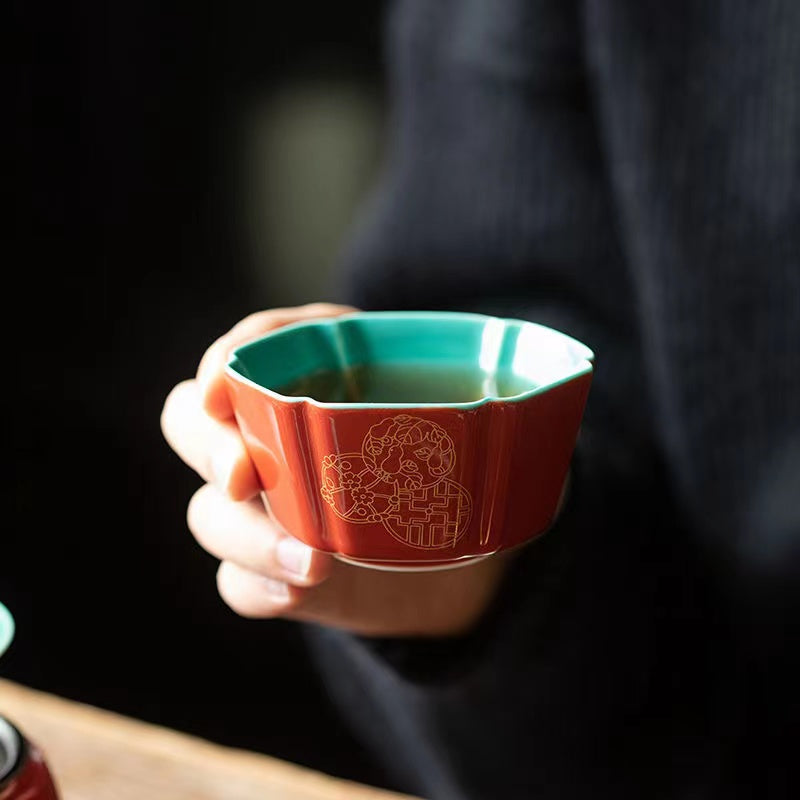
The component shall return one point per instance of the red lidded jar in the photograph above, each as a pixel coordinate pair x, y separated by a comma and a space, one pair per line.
23, 772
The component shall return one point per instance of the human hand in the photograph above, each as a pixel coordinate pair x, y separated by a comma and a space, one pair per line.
266, 572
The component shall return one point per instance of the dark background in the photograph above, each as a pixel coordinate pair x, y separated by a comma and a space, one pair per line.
129, 254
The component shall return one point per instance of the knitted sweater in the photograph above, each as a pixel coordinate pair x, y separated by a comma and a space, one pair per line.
627, 171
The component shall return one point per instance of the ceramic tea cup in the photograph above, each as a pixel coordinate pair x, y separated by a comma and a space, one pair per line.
411, 440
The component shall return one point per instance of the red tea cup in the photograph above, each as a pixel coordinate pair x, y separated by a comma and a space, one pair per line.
412, 485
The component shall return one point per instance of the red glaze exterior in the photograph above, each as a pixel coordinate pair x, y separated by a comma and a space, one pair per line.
31, 780
412, 487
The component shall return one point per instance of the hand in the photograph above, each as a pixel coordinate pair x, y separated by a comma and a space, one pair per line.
265, 572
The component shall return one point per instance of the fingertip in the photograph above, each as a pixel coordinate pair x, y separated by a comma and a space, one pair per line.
243, 483
255, 596
232, 470
215, 398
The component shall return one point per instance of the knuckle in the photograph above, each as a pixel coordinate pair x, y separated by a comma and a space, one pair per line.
207, 359
254, 323
231, 595
172, 402
325, 308
256, 318
196, 510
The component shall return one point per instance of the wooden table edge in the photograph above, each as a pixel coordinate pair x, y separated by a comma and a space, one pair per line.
35, 710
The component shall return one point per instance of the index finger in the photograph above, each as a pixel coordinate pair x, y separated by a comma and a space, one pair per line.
211, 371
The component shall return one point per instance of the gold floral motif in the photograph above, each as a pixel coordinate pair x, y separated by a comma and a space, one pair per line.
399, 479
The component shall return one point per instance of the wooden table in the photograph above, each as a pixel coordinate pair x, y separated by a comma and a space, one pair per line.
99, 755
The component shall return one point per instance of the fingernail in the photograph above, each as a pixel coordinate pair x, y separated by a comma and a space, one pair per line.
278, 589
293, 556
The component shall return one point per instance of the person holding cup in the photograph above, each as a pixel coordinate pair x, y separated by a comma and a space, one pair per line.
623, 172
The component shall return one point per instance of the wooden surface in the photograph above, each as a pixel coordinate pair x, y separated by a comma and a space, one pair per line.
98, 755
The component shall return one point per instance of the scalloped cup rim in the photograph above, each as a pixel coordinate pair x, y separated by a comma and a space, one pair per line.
582, 355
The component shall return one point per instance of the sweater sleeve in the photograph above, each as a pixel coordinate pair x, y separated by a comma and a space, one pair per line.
602, 653
624, 172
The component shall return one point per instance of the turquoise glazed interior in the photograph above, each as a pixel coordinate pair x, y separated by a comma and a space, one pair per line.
488, 345
6, 628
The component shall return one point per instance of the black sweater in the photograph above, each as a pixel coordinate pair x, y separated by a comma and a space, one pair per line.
628, 172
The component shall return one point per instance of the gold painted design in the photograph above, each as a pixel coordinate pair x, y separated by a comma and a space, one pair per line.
399, 479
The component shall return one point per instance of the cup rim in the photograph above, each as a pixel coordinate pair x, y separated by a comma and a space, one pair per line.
583, 355
11, 750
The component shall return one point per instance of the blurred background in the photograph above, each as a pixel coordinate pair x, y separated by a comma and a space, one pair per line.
174, 166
